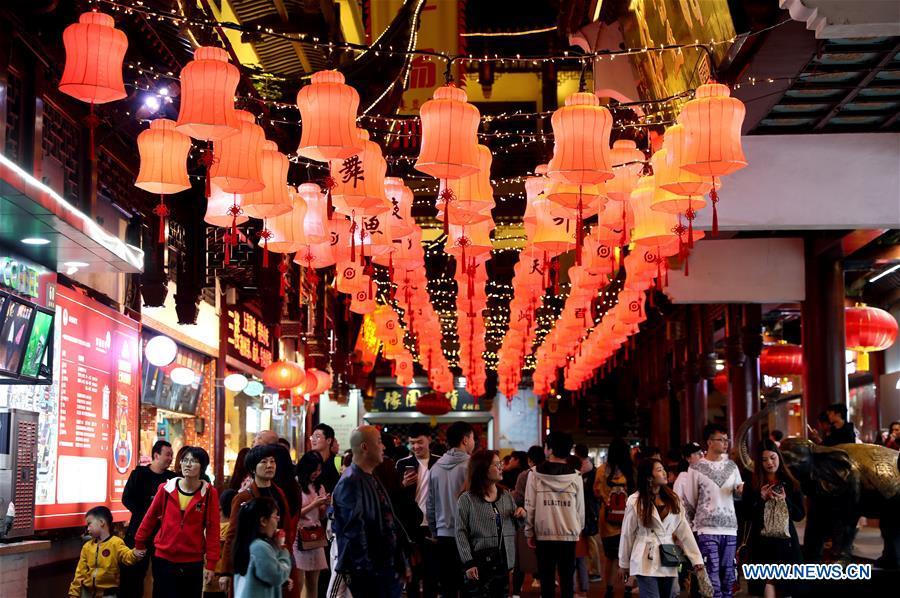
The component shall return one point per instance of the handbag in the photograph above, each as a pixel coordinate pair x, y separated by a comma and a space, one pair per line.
776, 520
312, 537
670, 555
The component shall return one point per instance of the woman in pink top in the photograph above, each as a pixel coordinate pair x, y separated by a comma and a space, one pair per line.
312, 512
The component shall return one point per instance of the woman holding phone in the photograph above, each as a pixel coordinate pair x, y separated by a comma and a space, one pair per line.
775, 503
309, 550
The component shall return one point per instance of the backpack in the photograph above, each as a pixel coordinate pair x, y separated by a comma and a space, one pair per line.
615, 510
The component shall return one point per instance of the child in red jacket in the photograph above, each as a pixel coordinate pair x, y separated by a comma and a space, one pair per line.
185, 517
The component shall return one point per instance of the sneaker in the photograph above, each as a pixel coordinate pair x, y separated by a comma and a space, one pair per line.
595, 578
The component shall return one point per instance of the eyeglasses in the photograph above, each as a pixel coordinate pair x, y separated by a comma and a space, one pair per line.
190, 462
725, 439
497, 465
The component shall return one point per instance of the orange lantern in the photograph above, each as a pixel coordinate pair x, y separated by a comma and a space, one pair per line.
239, 158
328, 113
781, 360
651, 227
449, 135
401, 198
712, 121
868, 329
208, 85
274, 198
471, 195
672, 176
164, 153
315, 222
666, 201
283, 375
631, 304
581, 131
218, 209
286, 232
95, 50
359, 181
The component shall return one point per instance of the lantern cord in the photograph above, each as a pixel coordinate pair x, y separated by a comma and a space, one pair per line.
690, 214
265, 234
206, 160
283, 270
624, 226
353, 235
92, 122
714, 197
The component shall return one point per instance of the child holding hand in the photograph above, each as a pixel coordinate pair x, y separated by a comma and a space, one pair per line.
97, 574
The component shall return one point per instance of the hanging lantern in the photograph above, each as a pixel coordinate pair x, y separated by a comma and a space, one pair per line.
163, 152
218, 208
328, 114
651, 227
239, 158
359, 181
781, 360
628, 163
284, 375
274, 198
720, 382
433, 404
401, 198
581, 131
286, 230
208, 86
315, 222
471, 195
449, 135
95, 50
868, 329
670, 203
670, 174
712, 122
631, 304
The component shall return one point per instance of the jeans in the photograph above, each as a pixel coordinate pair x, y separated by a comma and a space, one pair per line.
582, 579
177, 580
451, 573
654, 587
375, 585
553, 557
718, 554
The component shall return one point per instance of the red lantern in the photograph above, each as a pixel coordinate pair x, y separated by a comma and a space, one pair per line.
868, 329
238, 166
164, 152
95, 50
433, 404
328, 111
283, 375
720, 382
274, 198
581, 153
781, 360
449, 135
208, 84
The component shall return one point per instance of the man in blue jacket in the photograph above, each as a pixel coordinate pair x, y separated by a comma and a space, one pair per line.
369, 536
445, 482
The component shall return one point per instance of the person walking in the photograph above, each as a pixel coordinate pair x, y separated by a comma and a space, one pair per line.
102, 558
217, 587
137, 496
774, 503
708, 496
309, 549
262, 564
369, 537
613, 483
185, 511
554, 506
415, 469
654, 521
446, 480
526, 559
261, 465
485, 528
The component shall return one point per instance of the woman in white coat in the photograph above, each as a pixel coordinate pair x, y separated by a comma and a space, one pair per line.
654, 517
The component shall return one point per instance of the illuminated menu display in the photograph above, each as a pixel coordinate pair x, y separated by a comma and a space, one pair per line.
249, 340
88, 436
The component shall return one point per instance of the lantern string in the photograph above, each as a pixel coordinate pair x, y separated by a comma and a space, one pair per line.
162, 211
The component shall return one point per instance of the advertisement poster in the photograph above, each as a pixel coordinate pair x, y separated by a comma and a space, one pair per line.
88, 437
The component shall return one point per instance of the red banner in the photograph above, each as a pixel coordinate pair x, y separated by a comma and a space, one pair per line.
89, 435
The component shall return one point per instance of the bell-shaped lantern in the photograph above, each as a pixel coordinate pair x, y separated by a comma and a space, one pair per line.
208, 85
328, 109
286, 230
628, 162
237, 168
581, 131
164, 152
670, 174
651, 227
359, 181
315, 222
274, 199
553, 235
95, 50
401, 198
666, 201
219, 209
449, 135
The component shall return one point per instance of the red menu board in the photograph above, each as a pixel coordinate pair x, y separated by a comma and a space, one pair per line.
88, 434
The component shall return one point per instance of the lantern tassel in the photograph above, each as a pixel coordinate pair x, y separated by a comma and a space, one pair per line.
658, 274
667, 275
579, 229
330, 184
862, 361
162, 211
206, 160
265, 252
472, 280
650, 298
624, 226
353, 236
283, 269
714, 197
687, 262
690, 214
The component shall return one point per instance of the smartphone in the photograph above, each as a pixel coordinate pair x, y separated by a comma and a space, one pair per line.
778, 488
409, 468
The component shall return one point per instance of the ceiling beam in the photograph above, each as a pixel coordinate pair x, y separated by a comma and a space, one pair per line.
298, 47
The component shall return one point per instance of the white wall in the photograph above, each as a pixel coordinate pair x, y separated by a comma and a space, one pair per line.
796, 182
202, 336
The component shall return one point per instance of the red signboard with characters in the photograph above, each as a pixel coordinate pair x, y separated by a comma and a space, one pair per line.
249, 339
89, 434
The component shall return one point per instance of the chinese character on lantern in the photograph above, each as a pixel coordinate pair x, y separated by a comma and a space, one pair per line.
352, 169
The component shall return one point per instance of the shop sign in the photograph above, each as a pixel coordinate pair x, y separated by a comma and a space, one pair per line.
27, 279
249, 339
398, 399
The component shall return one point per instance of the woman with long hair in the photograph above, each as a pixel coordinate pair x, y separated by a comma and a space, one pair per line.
312, 511
262, 564
774, 502
654, 520
186, 512
486, 528
613, 482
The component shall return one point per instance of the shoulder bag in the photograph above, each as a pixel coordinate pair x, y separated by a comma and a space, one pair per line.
670, 555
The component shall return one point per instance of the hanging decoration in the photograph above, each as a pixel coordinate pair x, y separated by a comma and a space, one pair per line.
868, 329
163, 153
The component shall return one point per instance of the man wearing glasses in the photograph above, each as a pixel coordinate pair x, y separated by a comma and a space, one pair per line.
708, 496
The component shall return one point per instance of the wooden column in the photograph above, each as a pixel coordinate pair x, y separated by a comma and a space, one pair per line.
221, 412
824, 371
736, 360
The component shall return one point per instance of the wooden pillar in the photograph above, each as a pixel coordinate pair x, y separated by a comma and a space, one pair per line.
737, 380
824, 371
693, 407
751, 344
221, 411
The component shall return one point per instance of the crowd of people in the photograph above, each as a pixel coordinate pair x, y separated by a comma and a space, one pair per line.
382, 520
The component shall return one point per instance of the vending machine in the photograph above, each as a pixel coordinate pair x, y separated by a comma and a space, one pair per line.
18, 471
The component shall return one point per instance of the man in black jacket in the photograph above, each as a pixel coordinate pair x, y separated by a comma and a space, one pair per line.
842, 431
139, 491
414, 470
370, 538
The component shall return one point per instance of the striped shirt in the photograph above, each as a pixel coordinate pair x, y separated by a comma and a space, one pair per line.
476, 527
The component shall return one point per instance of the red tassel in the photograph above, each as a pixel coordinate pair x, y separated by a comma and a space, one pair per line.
714, 197
362, 242
227, 245
546, 274
162, 211
624, 226
206, 160
472, 280
283, 268
330, 184
579, 229
447, 196
353, 236
650, 298
556, 279
687, 260
690, 214
266, 252
667, 275
658, 274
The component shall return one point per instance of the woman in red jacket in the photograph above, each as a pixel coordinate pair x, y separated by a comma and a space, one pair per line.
184, 516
